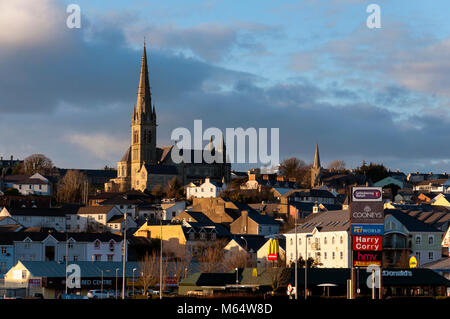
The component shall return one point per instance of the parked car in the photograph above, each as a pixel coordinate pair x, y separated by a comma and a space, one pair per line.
98, 294
38, 296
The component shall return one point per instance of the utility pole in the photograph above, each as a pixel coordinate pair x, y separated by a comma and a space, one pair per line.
160, 260
124, 253
296, 254
67, 257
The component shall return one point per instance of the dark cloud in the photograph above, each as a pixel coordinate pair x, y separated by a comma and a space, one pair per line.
72, 100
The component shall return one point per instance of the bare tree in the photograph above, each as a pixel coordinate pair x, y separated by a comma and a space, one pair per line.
71, 189
210, 256
180, 266
158, 191
337, 165
278, 273
174, 188
148, 269
290, 167
37, 163
239, 259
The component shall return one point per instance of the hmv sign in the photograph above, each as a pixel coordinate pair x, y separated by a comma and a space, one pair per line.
366, 258
367, 194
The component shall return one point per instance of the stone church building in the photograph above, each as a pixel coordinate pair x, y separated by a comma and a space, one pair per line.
144, 165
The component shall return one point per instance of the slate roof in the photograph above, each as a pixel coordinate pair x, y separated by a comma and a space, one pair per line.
261, 219
161, 169
250, 242
329, 221
88, 269
50, 212
127, 156
59, 236
103, 209
23, 179
411, 224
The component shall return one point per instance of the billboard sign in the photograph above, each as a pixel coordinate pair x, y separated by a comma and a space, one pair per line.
367, 194
367, 229
367, 258
373, 243
367, 212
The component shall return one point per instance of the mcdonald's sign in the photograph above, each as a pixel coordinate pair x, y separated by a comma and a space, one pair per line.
273, 249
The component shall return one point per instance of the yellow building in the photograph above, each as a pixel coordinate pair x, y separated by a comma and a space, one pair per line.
441, 200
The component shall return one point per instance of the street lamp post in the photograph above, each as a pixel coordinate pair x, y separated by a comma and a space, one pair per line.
306, 265
124, 253
134, 269
115, 292
101, 286
296, 254
160, 259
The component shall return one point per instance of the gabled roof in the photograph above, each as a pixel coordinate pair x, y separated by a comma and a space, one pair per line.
250, 242
261, 219
161, 169
50, 212
329, 221
127, 156
410, 223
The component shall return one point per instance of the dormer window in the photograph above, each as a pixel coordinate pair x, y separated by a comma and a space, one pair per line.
111, 245
97, 244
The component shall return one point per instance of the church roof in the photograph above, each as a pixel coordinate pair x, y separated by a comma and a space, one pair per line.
127, 156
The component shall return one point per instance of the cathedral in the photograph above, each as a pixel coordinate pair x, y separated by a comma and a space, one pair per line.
144, 165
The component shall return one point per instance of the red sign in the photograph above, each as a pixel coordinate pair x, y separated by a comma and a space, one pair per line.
366, 258
368, 243
272, 257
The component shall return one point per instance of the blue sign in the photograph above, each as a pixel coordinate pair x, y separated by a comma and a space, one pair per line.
367, 229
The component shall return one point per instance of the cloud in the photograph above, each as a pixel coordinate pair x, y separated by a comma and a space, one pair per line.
71, 98
100, 145
24, 24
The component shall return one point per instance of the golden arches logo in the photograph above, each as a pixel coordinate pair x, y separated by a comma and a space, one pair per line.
273, 249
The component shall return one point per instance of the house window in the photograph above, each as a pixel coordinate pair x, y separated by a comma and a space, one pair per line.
75, 258
291, 242
418, 239
325, 255
333, 255
111, 245
202, 236
332, 240
100, 217
3, 250
325, 241
341, 240
98, 257
110, 257
97, 244
70, 244
430, 255
431, 240
213, 236
341, 255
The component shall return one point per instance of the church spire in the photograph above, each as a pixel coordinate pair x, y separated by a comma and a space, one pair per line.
317, 158
144, 99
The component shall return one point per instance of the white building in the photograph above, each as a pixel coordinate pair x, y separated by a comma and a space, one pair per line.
99, 218
206, 190
37, 217
28, 185
325, 237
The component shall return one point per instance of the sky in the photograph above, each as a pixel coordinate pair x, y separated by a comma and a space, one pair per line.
311, 68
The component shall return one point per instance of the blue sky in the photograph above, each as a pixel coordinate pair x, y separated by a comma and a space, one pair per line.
311, 68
